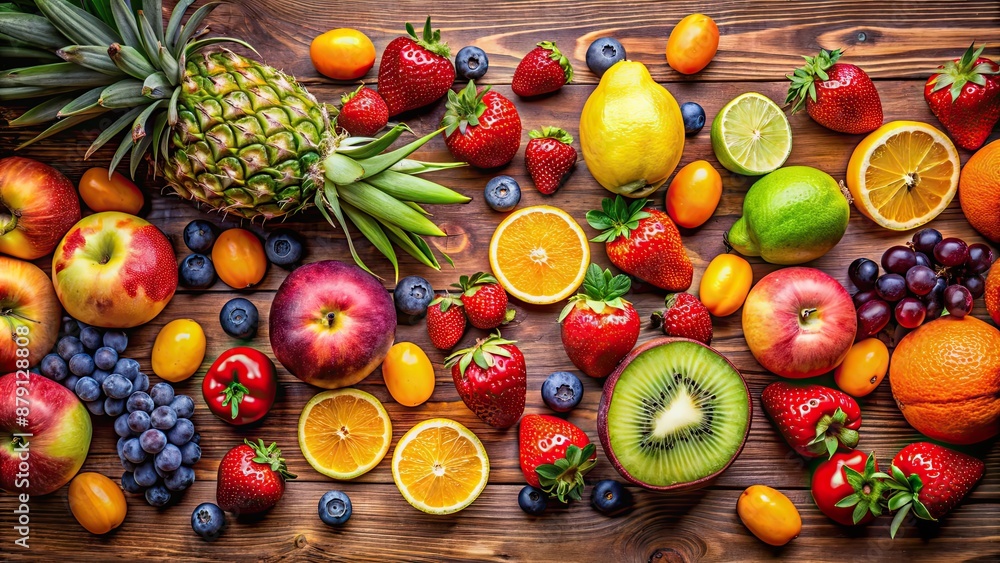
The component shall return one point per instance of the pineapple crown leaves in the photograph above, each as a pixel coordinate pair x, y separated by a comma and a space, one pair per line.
904, 496
955, 75
445, 302
482, 353
617, 218
552, 133
270, 456
563, 479
601, 289
431, 40
469, 285
868, 488
830, 432
556, 55
463, 108
804, 78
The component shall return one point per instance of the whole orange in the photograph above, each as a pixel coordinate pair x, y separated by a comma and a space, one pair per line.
979, 191
992, 295
945, 377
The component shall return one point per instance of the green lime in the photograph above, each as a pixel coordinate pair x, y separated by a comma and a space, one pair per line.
751, 135
793, 215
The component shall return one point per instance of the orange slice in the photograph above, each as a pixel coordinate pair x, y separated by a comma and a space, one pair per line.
344, 433
539, 254
440, 466
903, 174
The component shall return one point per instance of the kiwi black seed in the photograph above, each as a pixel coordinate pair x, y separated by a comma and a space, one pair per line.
677, 413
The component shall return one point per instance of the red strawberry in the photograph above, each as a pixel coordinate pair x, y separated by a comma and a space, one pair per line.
930, 480
481, 127
363, 112
549, 158
965, 97
815, 420
685, 317
555, 455
642, 242
251, 478
544, 69
445, 321
599, 328
492, 380
838, 96
415, 72
485, 301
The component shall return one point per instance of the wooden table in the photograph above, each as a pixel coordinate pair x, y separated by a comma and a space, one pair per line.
897, 43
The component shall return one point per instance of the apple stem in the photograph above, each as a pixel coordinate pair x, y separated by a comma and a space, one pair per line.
806, 313
330, 318
8, 220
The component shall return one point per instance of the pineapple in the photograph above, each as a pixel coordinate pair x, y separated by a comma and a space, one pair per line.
226, 131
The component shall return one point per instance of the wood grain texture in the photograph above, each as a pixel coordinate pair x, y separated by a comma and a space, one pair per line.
761, 41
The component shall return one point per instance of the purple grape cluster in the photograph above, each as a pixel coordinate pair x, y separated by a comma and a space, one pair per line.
923, 278
157, 444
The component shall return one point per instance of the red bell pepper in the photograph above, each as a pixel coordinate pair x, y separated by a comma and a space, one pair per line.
240, 386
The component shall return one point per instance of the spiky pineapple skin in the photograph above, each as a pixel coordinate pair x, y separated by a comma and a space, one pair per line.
248, 140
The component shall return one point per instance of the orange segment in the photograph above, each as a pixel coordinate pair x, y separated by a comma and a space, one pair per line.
440, 466
539, 254
903, 174
344, 433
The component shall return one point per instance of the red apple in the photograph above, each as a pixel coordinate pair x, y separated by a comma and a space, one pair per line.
331, 324
114, 270
29, 314
799, 322
37, 206
56, 433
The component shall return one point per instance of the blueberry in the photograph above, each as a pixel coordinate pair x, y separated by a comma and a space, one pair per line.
68, 347
127, 367
70, 382
117, 386
239, 318
70, 327
196, 272
138, 422
163, 417
82, 364
116, 339
603, 53
99, 376
169, 459
284, 247
334, 508
694, 117
161, 473
199, 236
54, 367
120, 447
105, 358
471, 63
502, 193
533, 501
196, 438
180, 479
114, 407
87, 389
157, 496
91, 338
162, 394
208, 520
145, 475
183, 406
133, 451
152, 441
121, 426
190, 453
140, 401
412, 295
141, 383
128, 483
562, 391
610, 497
181, 433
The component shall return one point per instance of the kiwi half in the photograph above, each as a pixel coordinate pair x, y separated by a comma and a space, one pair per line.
674, 415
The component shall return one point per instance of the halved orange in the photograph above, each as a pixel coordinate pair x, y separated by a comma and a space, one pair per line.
440, 466
539, 254
344, 433
903, 174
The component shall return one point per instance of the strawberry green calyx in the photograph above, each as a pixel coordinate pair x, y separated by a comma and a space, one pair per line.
563, 479
482, 353
556, 55
431, 39
600, 290
350, 96
868, 488
955, 75
445, 302
904, 497
804, 78
463, 108
469, 285
270, 456
552, 133
831, 432
617, 219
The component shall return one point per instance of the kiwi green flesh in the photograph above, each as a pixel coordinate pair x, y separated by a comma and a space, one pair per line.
678, 413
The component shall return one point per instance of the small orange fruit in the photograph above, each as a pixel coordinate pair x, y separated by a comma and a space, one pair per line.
945, 377
239, 258
114, 193
342, 54
769, 515
992, 295
979, 191
694, 194
864, 367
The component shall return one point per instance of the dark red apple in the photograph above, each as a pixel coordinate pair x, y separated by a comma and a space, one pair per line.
37, 206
